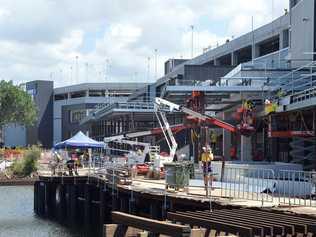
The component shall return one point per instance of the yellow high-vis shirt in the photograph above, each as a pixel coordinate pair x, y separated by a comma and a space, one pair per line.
206, 157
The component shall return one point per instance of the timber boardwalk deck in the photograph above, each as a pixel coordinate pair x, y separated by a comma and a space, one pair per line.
87, 202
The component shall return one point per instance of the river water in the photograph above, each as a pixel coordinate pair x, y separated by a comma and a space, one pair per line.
18, 219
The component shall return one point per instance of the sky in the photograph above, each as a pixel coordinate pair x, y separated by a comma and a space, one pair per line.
77, 41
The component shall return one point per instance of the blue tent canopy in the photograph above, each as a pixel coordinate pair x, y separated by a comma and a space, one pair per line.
81, 141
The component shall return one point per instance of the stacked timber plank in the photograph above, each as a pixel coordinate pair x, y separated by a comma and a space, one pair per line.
247, 222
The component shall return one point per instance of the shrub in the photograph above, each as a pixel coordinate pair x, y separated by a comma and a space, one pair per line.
28, 164
17, 167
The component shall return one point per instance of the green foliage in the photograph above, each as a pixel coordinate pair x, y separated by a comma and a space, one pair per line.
27, 165
17, 167
16, 106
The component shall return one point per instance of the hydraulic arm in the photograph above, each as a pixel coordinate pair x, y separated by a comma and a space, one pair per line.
195, 115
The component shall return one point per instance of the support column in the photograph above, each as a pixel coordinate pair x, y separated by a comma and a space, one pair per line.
41, 199
132, 204
226, 140
246, 149
87, 209
72, 205
154, 210
234, 59
35, 205
124, 206
60, 204
48, 196
102, 210
253, 52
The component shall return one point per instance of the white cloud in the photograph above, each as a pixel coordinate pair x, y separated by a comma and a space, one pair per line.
40, 39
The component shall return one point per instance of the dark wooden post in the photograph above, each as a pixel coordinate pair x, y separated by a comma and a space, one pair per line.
36, 197
60, 204
87, 209
48, 197
102, 210
72, 204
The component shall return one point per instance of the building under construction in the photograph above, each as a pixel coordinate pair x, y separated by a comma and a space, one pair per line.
258, 91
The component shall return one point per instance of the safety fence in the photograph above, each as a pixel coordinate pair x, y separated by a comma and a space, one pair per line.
247, 183
296, 188
277, 187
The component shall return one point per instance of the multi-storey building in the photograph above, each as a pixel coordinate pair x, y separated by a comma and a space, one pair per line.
278, 56
61, 109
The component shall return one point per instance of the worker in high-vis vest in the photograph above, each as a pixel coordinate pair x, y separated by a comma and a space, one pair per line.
206, 159
213, 139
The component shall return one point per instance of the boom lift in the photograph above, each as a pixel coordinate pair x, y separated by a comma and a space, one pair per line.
162, 103
160, 107
151, 151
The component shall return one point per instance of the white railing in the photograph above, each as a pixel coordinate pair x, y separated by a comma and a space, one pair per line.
282, 187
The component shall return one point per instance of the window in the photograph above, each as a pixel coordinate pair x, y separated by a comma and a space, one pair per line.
77, 115
78, 94
286, 37
61, 97
269, 46
96, 93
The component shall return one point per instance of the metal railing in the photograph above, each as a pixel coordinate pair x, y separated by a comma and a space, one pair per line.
298, 80
304, 95
296, 188
273, 187
240, 183
126, 106
248, 183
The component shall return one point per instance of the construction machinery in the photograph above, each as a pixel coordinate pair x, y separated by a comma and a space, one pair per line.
243, 128
161, 106
145, 152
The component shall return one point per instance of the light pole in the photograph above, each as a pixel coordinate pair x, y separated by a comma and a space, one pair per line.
192, 38
148, 69
77, 69
156, 55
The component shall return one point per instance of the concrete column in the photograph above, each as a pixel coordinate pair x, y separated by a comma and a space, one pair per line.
246, 149
281, 40
234, 59
226, 140
255, 51
216, 62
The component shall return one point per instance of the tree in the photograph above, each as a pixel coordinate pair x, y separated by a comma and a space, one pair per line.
16, 105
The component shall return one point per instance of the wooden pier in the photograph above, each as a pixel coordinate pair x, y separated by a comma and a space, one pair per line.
88, 203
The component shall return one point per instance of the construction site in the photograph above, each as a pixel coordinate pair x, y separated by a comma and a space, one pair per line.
250, 103
255, 96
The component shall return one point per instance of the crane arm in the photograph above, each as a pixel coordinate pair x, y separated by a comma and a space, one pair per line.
153, 131
195, 115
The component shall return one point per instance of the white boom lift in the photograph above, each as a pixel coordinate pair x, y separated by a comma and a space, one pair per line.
137, 157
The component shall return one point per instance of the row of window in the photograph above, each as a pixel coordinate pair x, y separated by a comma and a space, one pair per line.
91, 93
77, 115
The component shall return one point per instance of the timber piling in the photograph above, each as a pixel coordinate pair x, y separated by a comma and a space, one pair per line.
89, 204
85, 204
